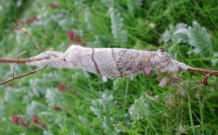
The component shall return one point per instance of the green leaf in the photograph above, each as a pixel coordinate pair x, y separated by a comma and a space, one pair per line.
199, 38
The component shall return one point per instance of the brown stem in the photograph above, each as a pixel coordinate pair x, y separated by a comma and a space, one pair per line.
26, 74
20, 61
192, 69
201, 70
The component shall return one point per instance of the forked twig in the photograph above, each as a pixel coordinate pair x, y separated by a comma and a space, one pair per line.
16, 63
20, 76
21, 61
24, 61
190, 69
158, 58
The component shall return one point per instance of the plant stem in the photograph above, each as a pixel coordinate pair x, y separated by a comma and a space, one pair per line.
201, 70
191, 69
20, 76
20, 61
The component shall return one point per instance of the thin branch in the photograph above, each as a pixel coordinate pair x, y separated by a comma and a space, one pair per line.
28, 35
191, 69
16, 63
20, 76
20, 61
201, 70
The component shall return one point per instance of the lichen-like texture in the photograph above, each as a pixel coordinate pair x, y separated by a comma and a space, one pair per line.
64, 99
109, 62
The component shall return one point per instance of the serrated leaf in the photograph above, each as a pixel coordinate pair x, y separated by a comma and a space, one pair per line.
143, 107
199, 38
214, 60
180, 36
33, 108
119, 34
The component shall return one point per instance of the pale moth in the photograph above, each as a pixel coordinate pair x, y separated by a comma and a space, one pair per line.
110, 62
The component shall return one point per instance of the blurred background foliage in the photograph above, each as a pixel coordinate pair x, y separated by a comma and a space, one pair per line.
71, 102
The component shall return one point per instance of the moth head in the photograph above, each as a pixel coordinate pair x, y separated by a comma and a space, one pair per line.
46, 55
163, 62
47, 58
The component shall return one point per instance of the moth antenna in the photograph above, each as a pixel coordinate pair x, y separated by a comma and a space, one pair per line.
28, 35
17, 62
20, 76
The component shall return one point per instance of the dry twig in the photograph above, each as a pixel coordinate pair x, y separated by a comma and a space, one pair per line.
204, 71
111, 62
20, 76
28, 35
24, 61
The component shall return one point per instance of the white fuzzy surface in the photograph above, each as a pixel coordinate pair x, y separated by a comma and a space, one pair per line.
110, 62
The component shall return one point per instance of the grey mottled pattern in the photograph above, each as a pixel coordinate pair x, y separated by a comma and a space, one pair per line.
110, 62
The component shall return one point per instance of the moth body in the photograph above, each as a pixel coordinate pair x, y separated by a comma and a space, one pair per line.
109, 62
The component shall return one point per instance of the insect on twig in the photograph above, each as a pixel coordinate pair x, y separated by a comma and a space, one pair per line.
109, 62
21, 61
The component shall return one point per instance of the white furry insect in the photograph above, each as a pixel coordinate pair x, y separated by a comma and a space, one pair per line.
109, 62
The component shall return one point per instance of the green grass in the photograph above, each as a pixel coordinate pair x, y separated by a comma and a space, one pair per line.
89, 104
